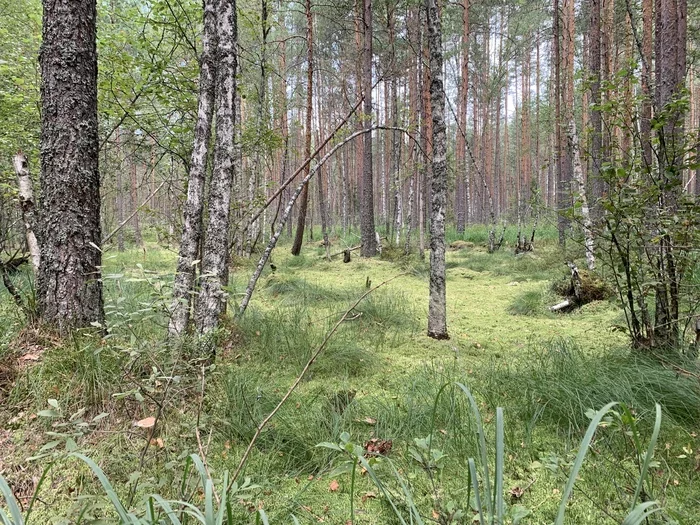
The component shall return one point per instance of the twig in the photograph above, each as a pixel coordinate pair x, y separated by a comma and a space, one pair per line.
123, 223
310, 362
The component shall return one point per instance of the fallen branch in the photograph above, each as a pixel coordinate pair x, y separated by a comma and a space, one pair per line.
561, 306
341, 252
288, 210
299, 378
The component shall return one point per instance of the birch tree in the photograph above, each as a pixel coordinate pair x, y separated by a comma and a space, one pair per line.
26, 202
211, 301
188, 257
437, 306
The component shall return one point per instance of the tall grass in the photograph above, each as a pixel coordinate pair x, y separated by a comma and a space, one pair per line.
561, 382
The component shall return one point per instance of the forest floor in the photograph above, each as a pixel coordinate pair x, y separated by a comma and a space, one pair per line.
378, 378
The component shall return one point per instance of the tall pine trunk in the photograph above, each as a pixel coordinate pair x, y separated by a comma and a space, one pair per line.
69, 285
367, 230
304, 203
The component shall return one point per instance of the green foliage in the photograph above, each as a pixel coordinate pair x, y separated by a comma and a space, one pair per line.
487, 500
214, 508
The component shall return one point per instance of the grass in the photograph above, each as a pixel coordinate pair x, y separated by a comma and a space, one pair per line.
378, 378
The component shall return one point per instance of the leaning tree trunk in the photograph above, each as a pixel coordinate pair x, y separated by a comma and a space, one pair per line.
69, 286
26, 202
437, 306
183, 286
212, 297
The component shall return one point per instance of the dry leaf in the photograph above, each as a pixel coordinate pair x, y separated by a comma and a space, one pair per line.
334, 486
516, 492
436, 515
157, 442
148, 422
368, 420
30, 357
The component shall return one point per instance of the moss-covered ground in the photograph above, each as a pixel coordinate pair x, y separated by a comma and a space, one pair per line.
378, 377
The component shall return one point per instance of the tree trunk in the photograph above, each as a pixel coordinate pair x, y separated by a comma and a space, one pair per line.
304, 203
135, 205
188, 257
581, 188
437, 306
596, 182
120, 192
26, 202
212, 297
367, 230
463, 103
69, 286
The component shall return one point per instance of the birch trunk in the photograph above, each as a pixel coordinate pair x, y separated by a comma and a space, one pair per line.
578, 178
212, 297
188, 258
437, 306
26, 202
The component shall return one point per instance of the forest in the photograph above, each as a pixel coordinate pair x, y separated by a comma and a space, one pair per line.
352, 262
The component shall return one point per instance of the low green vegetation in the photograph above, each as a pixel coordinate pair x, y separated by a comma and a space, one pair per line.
162, 418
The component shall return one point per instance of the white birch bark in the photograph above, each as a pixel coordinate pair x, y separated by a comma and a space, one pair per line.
183, 286
437, 305
581, 190
212, 297
26, 202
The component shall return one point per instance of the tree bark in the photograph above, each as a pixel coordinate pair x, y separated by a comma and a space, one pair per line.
587, 223
437, 306
188, 257
69, 286
135, 205
596, 182
367, 229
26, 203
304, 203
211, 301
463, 103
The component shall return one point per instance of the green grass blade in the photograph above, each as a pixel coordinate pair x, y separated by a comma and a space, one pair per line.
381, 487
263, 517
209, 502
477, 496
648, 456
107, 486
5, 519
500, 449
36, 492
12, 506
407, 494
641, 512
482, 447
223, 504
583, 449
169, 512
